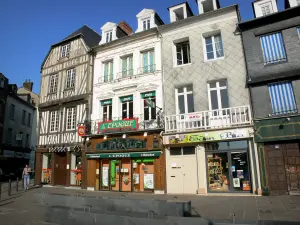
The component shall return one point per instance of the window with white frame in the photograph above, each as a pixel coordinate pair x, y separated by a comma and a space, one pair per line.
185, 99
127, 107
65, 51
218, 95
106, 106
53, 83
54, 121
127, 66
108, 36
148, 61
71, 118
146, 24
149, 104
108, 71
214, 47
71, 76
183, 53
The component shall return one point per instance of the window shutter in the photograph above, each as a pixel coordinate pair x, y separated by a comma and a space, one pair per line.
145, 56
273, 48
105, 72
111, 74
151, 55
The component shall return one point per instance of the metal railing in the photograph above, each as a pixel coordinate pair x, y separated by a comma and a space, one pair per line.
93, 127
211, 119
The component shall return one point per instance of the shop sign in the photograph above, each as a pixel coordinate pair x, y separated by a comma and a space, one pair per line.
209, 136
123, 155
81, 130
148, 94
128, 124
126, 98
106, 102
120, 143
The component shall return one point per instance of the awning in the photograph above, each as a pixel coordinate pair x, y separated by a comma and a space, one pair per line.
123, 155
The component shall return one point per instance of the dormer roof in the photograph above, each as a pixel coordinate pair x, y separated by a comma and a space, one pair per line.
188, 8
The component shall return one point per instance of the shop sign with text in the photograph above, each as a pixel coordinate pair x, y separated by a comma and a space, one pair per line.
128, 124
120, 143
209, 136
124, 155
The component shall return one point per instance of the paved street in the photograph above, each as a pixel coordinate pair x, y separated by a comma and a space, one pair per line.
247, 210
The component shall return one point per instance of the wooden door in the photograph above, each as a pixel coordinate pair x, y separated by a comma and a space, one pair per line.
292, 166
274, 159
60, 170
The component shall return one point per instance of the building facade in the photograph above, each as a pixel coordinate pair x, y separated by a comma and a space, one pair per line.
18, 128
125, 144
272, 46
3, 96
208, 121
65, 102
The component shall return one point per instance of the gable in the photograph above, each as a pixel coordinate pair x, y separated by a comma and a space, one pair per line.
145, 13
109, 26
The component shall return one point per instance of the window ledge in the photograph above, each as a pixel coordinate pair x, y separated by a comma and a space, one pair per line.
211, 60
274, 63
178, 66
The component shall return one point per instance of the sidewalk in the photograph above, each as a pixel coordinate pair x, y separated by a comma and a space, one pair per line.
220, 209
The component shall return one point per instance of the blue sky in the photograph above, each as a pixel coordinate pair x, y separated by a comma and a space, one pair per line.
29, 27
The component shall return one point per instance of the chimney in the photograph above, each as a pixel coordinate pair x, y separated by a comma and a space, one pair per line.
28, 85
125, 27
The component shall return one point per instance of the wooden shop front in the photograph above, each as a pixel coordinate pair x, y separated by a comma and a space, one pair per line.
134, 163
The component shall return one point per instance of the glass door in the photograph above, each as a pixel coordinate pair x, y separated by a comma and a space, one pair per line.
125, 175
114, 174
240, 171
104, 185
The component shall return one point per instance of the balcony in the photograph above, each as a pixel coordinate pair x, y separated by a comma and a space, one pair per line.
128, 74
212, 119
117, 124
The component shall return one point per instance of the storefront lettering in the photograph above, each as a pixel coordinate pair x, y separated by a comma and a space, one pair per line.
118, 144
228, 135
119, 124
119, 156
198, 138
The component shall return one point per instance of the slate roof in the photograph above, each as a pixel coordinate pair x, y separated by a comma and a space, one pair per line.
90, 37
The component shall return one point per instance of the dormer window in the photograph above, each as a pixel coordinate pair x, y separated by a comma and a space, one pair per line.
146, 24
180, 12
65, 51
108, 36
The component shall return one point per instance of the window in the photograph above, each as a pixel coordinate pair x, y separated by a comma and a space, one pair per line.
218, 95
53, 83
29, 119
71, 75
108, 36
273, 48
108, 71
282, 98
183, 53
23, 116
106, 109
187, 150
265, 9
9, 135
298, 29
127, 107
27, 141
148, 61
71, 118
12, 112
54, 121
146, 24
185, 99
214, 47
149, 100
65, 51
1, 83
127, 66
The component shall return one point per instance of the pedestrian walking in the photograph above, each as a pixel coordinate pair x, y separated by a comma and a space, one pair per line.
26, 177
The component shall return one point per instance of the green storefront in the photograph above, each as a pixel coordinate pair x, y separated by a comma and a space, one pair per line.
278, 141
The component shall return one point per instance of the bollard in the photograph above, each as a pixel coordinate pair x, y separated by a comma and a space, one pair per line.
9, 187
17, 185
0, 189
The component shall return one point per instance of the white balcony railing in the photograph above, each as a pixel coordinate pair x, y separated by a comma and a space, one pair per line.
212, 119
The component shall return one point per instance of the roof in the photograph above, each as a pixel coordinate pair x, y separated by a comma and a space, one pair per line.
188, 8
159, 19
269, 19
90, 37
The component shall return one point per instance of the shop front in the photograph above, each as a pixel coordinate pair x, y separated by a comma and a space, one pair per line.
222, 161
59, 166
278, 141
131, 164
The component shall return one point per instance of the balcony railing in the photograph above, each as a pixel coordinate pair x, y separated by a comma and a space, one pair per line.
212, 119
117, 124
128, 74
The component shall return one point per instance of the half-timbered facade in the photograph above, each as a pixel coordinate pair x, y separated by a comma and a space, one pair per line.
65, 102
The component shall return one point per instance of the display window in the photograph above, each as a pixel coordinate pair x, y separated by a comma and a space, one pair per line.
76, 169
228, 167
143, 175
46, 168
